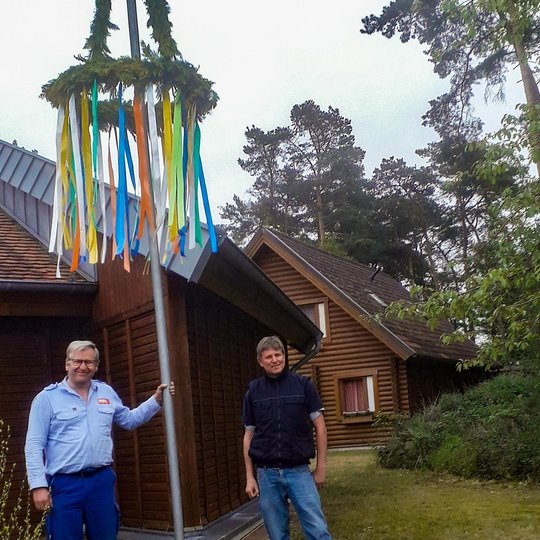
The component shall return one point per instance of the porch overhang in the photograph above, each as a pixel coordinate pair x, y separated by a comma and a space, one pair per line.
236, 278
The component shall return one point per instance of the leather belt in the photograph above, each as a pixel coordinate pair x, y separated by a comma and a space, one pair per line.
90, 471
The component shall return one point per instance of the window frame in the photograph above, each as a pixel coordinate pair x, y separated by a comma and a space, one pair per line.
326, 314
360, 418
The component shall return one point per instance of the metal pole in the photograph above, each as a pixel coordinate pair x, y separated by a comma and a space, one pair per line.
161, 327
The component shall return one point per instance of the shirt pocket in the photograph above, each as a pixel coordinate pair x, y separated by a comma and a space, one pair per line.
295, 402
295, 407
66, 425
105, 419
66, 415
262, 411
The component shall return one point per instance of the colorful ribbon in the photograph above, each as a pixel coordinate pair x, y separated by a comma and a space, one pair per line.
169, 177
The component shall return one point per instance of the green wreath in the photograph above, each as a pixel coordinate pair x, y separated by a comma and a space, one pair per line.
165, 69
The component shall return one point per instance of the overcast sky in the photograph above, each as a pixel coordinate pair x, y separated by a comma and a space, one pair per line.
263, 56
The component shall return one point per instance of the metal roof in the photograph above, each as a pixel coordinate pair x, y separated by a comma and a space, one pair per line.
26, 194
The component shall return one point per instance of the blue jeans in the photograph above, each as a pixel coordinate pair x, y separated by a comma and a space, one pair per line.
296, 483
90, 500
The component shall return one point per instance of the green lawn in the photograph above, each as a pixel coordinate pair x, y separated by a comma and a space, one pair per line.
362, 500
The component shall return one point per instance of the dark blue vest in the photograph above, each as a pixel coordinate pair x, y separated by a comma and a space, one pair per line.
280, 411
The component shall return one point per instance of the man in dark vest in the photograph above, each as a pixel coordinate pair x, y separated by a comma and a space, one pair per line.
280, 411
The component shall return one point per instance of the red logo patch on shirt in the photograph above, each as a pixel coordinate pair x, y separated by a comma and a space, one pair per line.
103, 401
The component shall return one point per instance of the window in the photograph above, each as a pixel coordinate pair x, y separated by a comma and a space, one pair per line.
317, 311
356, 395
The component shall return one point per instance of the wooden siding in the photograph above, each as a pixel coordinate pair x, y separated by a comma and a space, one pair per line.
184, 416
33, 354
124, 329
121, 291
130, 362
351, 347
212, 351
222, 343
51, 304
402, 387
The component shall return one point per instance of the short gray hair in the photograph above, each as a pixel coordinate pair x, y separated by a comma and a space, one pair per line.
269, 342
80, 345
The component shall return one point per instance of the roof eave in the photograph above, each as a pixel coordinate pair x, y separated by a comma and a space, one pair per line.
48, 286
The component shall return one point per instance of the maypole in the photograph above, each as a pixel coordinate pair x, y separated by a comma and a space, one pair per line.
161, 325
170, 174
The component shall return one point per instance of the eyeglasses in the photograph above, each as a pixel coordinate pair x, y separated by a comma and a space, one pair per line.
79, 363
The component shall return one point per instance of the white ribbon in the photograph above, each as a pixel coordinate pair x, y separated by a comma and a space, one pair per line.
190, 183
159, 182
56, 230
76, 145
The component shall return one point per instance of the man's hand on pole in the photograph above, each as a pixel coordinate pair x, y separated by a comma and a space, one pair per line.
159, 392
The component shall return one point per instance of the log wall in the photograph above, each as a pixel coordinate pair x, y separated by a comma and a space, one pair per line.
348, 346
212, 352
123, 327
32, 357
222, 342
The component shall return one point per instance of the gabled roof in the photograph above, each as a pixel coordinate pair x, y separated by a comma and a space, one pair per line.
26, 194
362, 292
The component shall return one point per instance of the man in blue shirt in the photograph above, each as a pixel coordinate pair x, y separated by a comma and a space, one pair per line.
69, 448
281, 409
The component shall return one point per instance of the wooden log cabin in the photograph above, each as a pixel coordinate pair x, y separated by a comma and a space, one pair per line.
218, 307
364, 366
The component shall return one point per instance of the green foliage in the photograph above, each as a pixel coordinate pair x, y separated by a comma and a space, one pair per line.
491, 431
15, 521
164, 69
321, 148
500, 302
243, 219
418, 224
273, 200
469, 42
100, 30
158, 20
308, 177
406, 220
178, 75
335, 248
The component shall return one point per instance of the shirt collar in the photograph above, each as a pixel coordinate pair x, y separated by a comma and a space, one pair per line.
64, 384
283, 375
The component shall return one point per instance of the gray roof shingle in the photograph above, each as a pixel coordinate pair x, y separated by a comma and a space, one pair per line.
358, 282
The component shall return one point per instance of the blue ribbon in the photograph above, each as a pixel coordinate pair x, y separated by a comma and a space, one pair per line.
130, 163
122, 199
135, 242
206, 204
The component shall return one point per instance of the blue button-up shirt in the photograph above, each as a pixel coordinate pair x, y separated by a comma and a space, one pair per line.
66, 435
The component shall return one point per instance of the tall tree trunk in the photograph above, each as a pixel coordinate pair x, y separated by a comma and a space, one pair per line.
462, 209
532, 93
320, 218
432, 266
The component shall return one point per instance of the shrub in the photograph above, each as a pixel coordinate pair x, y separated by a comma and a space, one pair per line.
15, 521
490, 431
